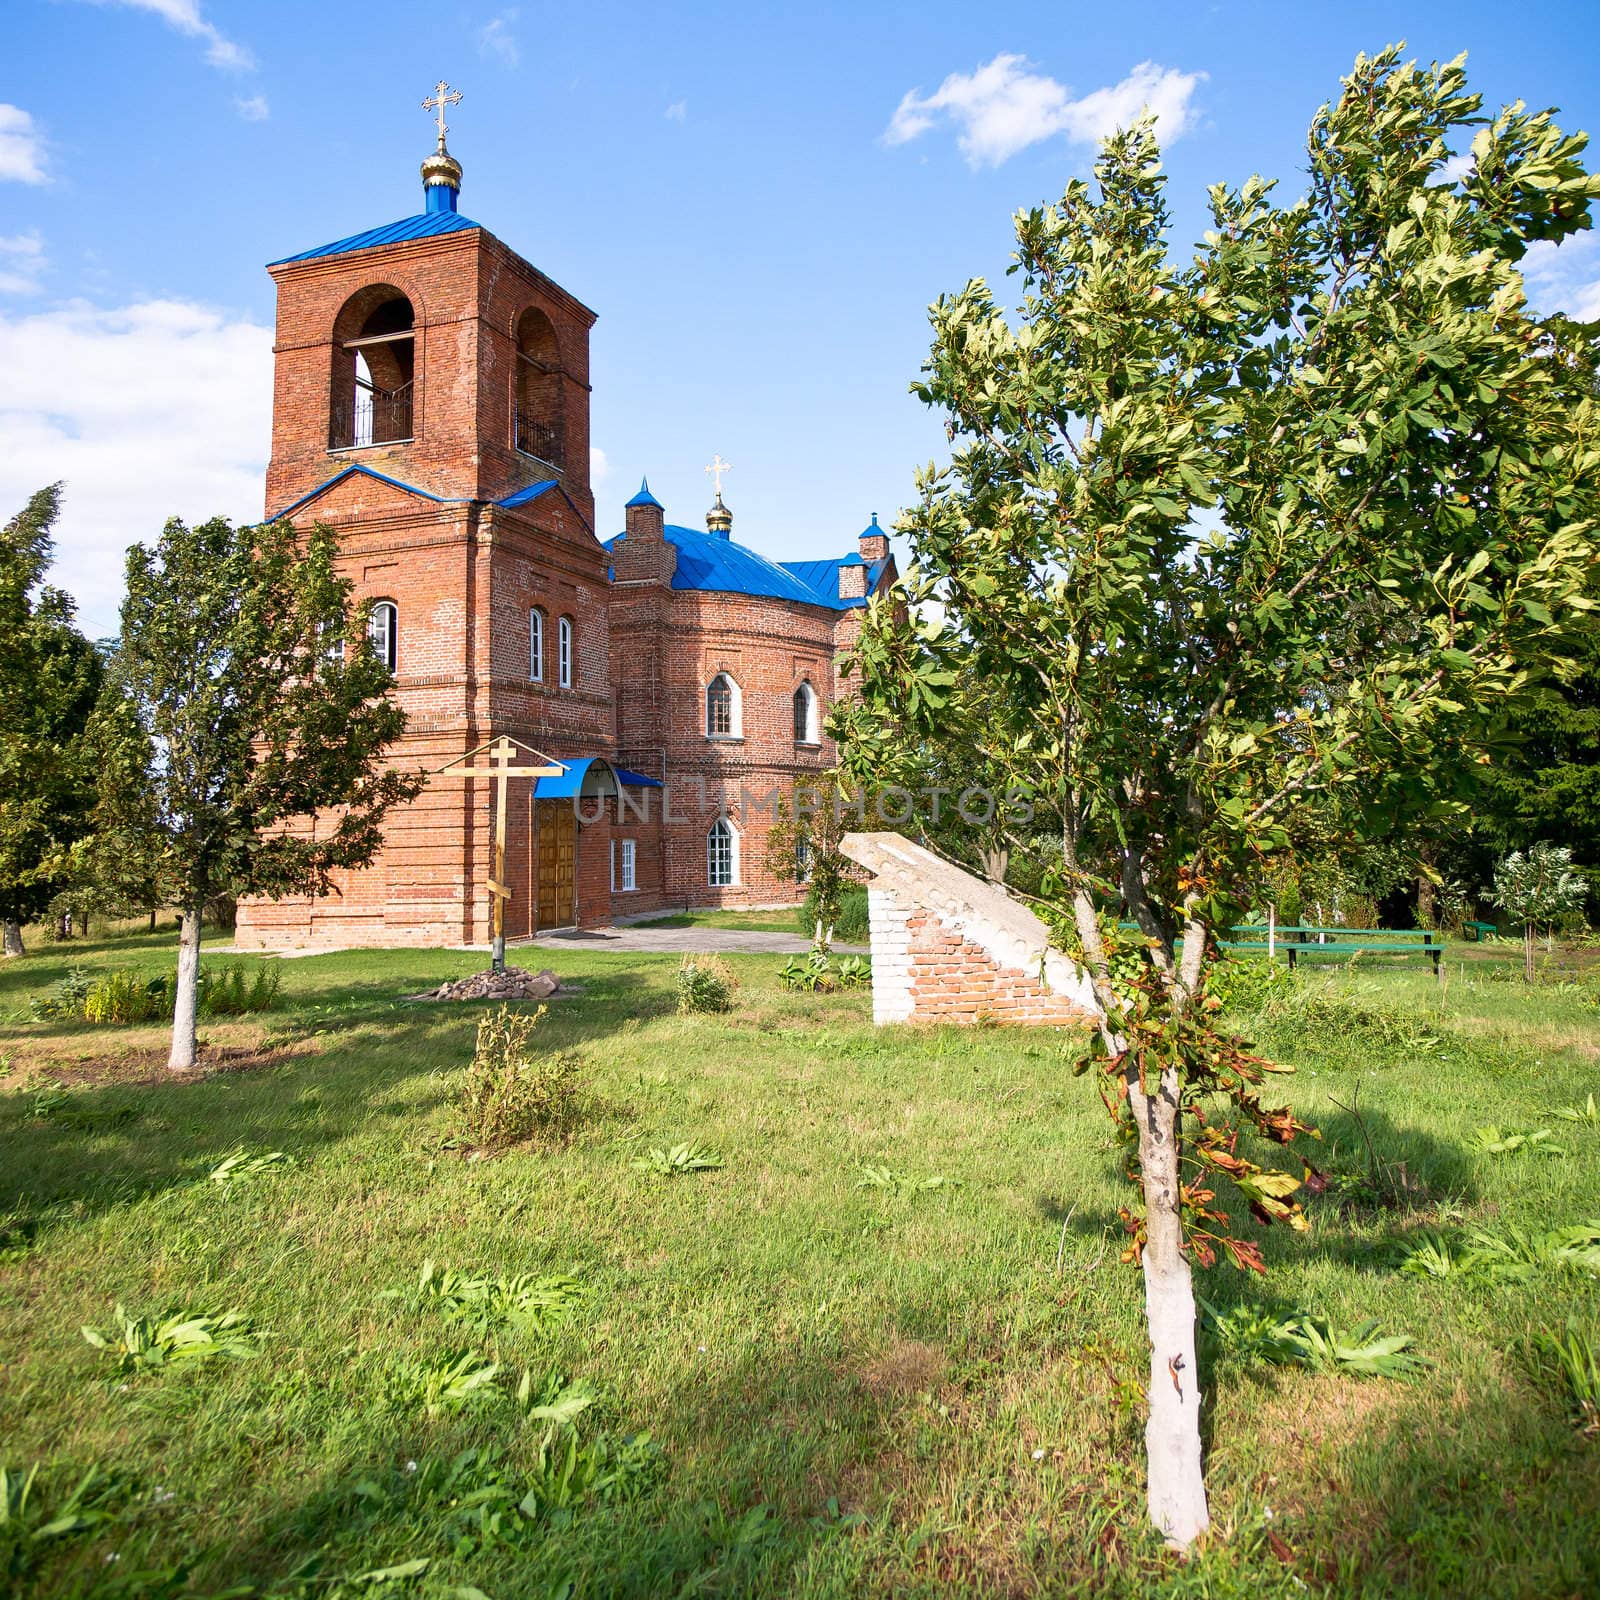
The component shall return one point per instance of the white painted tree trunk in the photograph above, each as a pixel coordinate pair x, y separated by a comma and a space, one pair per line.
11, 944
1177, 1490
183, 1011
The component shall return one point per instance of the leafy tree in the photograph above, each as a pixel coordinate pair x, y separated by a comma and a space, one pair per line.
242, 737
803, 846
1537, 887
1226, 535
49, 677
1549, 785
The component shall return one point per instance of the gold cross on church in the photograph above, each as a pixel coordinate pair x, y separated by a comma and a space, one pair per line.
442, 96
716, 469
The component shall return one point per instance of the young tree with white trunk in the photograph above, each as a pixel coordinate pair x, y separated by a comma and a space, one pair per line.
242, 736
1301, 514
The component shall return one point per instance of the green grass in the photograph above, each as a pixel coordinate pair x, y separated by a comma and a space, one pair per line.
850, 1389
779, 921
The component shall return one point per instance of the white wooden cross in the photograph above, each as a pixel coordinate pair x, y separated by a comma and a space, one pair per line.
716, 469
442, 96
501, 766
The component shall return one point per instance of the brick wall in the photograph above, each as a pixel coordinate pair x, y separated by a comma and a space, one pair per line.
464, 575
948, 946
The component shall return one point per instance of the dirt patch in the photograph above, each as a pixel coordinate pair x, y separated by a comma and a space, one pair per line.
135, 1067
902, 1367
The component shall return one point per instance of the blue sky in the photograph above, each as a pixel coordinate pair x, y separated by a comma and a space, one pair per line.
759, 201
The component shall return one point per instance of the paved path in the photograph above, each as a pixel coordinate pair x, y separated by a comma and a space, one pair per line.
640, 936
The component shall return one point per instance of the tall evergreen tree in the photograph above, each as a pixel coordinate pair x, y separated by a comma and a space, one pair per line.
242, 738
49, 678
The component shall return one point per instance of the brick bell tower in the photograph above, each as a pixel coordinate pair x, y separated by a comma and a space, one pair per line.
431, 405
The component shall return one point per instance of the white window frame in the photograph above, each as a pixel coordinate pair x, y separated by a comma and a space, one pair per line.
722, 830
813, 727
735, 707
564, 652
802, 861
624, 866
383, 628
535, 645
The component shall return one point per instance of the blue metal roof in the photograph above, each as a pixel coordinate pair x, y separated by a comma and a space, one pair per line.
518, 497
425, 225
570, 783
532, 492
822, 577
644, 497
708, 561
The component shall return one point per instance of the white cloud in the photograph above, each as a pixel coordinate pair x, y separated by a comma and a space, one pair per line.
678, 111
21, 147
495, 38
252, 109
1565, 277
147, 411
598, 466
1456, 169
187, 17
22, 263
1005, 106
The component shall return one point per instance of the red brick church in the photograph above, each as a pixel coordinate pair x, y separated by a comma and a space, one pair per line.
431, 404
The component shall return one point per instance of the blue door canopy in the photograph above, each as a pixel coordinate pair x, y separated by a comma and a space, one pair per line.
590, 776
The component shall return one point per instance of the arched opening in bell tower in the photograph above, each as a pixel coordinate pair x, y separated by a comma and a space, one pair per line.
374, 370
539, 430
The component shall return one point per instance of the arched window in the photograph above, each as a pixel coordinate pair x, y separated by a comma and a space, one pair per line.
807, 724
374, 369
383, 628
722, 854
538, 408
535, 645
564, 652
723, 719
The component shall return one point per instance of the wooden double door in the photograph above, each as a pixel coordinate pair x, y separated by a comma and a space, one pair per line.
554, 847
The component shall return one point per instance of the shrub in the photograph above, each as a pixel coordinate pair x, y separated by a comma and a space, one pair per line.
1569, 1364
705, 983
681, 1158
534, 1305
850, 926
121, 997
124, 997
1246, 983
231, 992
64, 999
820, 973
185, 1336
510, 1095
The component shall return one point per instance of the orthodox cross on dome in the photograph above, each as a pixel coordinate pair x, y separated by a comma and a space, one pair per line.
443, 95
716, 469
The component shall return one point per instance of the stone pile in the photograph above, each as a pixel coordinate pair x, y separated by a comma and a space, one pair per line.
515, 983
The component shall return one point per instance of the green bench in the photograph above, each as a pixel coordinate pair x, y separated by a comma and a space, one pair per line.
1477, 932
1299, 940
1309, 940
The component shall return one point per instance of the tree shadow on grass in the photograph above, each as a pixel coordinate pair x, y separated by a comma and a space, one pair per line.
792, 1465
1488, 1494
105, 1144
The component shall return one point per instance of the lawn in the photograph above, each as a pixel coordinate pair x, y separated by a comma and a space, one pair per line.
779, 920
846, 1390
